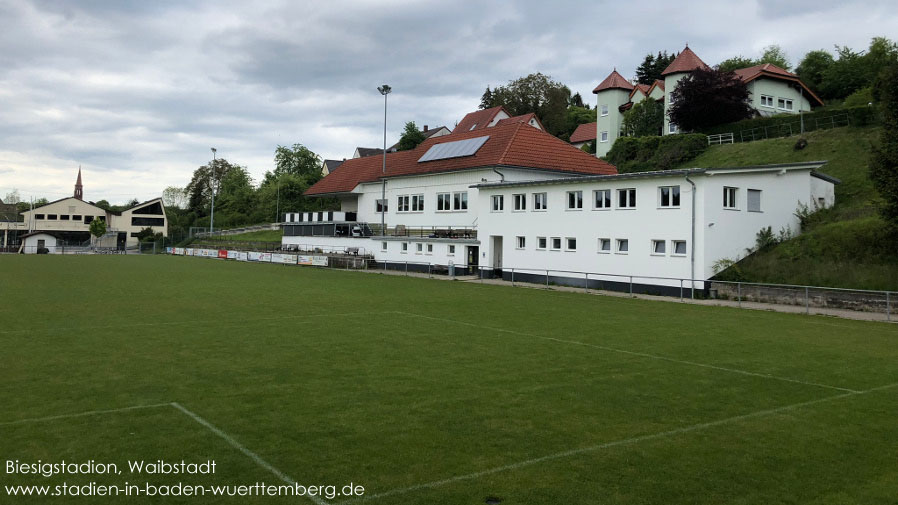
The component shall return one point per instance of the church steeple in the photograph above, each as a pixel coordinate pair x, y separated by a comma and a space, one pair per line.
79, 189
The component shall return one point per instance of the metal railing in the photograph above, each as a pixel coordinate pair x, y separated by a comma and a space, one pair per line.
204, 233
720, 138
787, 129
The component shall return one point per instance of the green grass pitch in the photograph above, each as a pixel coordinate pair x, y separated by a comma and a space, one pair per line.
427, 391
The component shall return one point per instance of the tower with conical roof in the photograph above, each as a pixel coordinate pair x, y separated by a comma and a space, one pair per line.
79, 189
680, 67
611, 93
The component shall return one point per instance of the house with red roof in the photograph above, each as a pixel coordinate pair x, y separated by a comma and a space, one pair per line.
584, 134
772, 90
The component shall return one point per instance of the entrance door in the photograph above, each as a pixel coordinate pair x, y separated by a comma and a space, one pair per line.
497, 254
473, 258
120, 240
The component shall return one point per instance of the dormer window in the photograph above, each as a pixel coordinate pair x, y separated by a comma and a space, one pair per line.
472, 127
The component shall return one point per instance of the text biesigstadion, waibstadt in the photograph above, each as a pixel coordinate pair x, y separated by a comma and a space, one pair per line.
91, 467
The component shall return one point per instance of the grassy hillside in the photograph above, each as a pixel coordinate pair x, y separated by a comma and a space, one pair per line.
841, 247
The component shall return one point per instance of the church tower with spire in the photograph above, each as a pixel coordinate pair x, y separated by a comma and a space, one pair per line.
79, 189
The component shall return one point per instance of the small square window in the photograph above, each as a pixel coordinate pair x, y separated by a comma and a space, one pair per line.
623, 246
381, 206
419, 248
383, 246
605, 245
556, 243
679, 247
405, 247
574, 200
541, 243
603, 137
570, 244
451, 250
659, 247
429, 248
521, 242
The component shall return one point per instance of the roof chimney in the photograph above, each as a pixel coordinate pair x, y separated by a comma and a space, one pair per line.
425, 128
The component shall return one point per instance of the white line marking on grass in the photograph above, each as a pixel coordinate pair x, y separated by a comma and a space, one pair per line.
634, 353
616, 443
240, 447
84, 414
195, 321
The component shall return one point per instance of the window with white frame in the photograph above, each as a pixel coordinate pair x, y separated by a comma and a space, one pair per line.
729, 197
603, 137
444, 202
623, 246
671, 98
659, 247
626, 198
570, 244
574, 200
669, 196
429, 248
541, 243
383, 246
381, 206
460, 200
521, 242
754, 200
520, 201
556, 243
540, 201
419, 248
673, 128
604, 109
404, 247
402, 203
451, 250
498, 203
605, 245
601, 199
766, 101
784, 104
417, 203
679, 247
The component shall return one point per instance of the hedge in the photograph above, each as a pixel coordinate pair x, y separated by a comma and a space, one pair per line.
643, 154
857, 116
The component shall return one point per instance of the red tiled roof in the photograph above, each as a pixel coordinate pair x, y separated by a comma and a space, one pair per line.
657, 84
614, 80
514, 144
772, 71
686, 61
478, 119
584, 133
523, 118
641, 87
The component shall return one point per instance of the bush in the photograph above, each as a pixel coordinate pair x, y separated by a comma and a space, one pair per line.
642, 154
860, 98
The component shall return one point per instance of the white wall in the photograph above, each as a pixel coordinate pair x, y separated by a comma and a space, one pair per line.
439, 253
31, 243
777, 89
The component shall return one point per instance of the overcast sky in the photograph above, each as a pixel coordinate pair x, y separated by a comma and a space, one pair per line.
137, 92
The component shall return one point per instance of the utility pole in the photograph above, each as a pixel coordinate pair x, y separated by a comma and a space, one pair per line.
277, 207
384, 90
212, 187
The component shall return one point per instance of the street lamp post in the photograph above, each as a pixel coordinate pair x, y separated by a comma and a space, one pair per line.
384, 90
212, 188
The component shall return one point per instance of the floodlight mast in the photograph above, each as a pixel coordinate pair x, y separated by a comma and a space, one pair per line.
212, 188
384, 90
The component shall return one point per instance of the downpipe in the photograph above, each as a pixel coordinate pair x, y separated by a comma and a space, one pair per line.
692, 242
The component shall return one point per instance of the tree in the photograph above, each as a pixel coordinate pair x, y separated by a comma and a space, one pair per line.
145, 234
200, 186
884, 162
103, 204
486, 100
846, 75
577, 101
298, 160
734, 63
97, 228
709, 97
645, 118
539, 94
174, 197
411, 137
775, 55
12, 198
813, 67
651, 67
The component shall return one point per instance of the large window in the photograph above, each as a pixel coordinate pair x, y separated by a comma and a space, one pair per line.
417, 203
380, 206
444, 201
784, 104
147, 221
460, 200
498, 203
402, 203
574, 200
540, 201
766, 101
626, 198
729, 197
520, 201
602, 199
754, 200
669, 196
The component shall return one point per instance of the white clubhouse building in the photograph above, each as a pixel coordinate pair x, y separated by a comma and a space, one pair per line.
511, 196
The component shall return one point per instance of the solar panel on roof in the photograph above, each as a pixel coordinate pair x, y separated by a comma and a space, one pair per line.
455, 149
